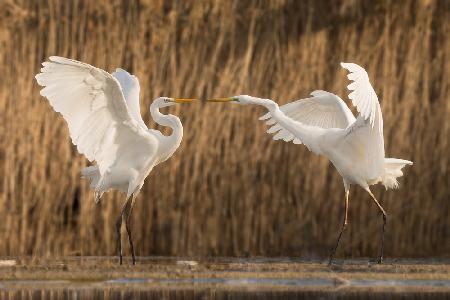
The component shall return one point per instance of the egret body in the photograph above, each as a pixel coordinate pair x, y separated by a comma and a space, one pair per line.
103, 115
326, 126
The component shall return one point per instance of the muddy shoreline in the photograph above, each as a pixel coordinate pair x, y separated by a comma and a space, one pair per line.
275, 276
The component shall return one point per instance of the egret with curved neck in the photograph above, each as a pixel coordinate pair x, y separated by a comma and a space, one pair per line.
103, 115
326, 126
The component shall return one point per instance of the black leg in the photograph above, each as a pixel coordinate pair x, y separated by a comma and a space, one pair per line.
119, 238
380, 258
128, 213
344, 225
118, 231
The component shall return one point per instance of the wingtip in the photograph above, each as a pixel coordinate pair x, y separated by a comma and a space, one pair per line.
38, 78
265, 117
317, 93
353, 67
58, 59
352, 86
120, 70
64, 60
346, 65
54, 58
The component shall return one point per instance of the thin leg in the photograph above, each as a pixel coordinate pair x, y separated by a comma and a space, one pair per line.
128, 212
118, 231
380, 258
344, 225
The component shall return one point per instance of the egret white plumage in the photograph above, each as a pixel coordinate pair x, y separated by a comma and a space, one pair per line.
326, 126
103, 115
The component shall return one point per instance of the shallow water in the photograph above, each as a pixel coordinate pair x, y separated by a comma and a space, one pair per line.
143, 283
300, 282
227, 278
211, 294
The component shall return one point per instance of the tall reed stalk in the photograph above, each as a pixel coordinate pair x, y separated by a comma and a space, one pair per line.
229, 189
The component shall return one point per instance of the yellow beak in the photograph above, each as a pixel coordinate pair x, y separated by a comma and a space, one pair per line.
184, 100
221, 99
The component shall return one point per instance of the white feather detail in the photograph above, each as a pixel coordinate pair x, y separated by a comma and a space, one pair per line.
362, 94
101, 122
323, 109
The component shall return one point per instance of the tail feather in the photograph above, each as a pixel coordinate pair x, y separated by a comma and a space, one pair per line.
92, 173
393, 170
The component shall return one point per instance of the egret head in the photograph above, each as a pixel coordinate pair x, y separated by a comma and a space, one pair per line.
166, 101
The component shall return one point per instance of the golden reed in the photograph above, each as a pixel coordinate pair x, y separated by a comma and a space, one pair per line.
229, 189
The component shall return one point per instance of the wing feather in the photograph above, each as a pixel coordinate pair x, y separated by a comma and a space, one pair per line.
362, 94
367, 131
130, 88
95, 109
323, 109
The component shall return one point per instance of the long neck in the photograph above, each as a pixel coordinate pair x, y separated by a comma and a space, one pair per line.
306, 134
276, 113
169, 143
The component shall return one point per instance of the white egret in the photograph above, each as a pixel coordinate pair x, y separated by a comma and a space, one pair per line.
103, 115
326, 126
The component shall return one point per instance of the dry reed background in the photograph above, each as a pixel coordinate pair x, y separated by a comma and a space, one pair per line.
229, 190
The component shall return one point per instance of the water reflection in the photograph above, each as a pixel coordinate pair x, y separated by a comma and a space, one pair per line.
211, 294
223, 278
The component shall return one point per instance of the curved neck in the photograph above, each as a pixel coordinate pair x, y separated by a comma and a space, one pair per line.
276, 113
169, 143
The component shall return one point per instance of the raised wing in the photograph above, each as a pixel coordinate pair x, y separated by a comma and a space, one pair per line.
323, 109
363, 95
93, 105
367, 131
130, 88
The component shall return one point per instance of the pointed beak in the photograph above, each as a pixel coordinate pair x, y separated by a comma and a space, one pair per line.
183, 100
228, 99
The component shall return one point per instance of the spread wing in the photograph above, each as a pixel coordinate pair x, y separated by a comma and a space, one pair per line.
323, 109
93, 104
363, 95
130, 89
367, 131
